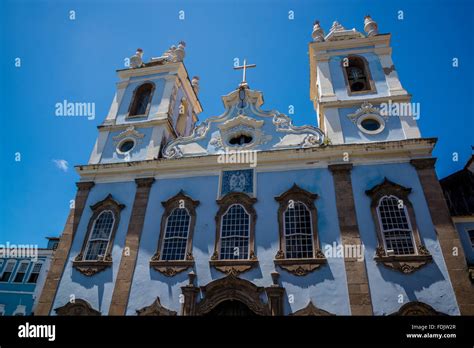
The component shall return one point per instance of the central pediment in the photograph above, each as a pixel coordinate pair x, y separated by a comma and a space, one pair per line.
244, 126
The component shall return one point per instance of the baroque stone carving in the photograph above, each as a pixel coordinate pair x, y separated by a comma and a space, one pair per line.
155, 309
172, 267
402, 263
318, 32
130, 132
214, 132
77, 308
367, 109
416, 308
235, 266
311, 310
91, 267
232, 288
370, 26
299, 267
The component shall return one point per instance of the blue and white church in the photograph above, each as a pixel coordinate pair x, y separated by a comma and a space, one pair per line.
247, 214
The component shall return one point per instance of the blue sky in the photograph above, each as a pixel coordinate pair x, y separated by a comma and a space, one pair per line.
76, 61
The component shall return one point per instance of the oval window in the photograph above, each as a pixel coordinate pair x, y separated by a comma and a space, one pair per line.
240, 139
126, 146
370, 124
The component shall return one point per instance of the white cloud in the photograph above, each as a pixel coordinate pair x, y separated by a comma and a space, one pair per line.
61, 164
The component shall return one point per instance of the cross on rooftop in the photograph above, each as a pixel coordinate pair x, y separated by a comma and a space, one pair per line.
244, 67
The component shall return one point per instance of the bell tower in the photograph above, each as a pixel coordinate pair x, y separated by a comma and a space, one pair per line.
355, 88
155, 102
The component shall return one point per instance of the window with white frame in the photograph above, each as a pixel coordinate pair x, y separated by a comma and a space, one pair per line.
298, 231
235, 233
471, 237
7, 271
34, 274
100, 236
395, 225
21, 272
176, 235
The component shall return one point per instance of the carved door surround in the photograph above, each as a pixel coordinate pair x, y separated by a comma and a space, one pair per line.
233, 288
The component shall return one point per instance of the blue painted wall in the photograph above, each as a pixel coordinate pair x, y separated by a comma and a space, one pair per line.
13, 293
138, 153
352, 134
97, 290
127, 97
326, 287
429, 284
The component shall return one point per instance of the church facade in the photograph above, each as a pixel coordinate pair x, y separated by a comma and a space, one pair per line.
247, 214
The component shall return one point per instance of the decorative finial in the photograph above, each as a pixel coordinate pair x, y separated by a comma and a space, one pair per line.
136, 61
191, 278
318, 32
337, 27
195, 84
370, 26
175, 54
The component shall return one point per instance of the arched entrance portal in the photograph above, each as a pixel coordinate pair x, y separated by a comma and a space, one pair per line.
232, 296
231, 308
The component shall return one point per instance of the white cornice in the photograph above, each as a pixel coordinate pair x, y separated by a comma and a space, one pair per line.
378, 40
359, 154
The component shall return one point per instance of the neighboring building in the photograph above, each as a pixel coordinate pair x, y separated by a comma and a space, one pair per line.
173, 217
458, 189
23, 271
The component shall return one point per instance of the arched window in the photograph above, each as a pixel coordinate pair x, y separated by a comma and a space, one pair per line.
174, 252
235, 233
357, 75
182, 118
176, 235
141, 100
298, 231
96, 251
100, 236
400, 246
234, 248
299, 251
395, 225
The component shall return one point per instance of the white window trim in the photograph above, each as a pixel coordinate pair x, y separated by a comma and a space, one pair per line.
375, 117
98, 239
187, 233
31, 271
248, 229
18, 269
123, 141
382, 230
5, 267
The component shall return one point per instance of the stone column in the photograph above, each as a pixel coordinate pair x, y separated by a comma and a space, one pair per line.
275, 299
356, 273
60, 255
190, 293
123, 282
447, 234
